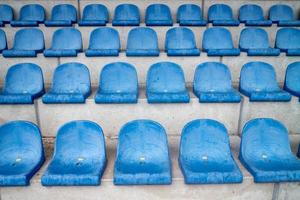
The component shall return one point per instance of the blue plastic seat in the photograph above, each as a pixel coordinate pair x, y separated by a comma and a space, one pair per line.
292, 79
181, 41
190, 15
142, 41
94, 15
27, 43
221, 15
266, 153
23, 83
104, 42
79, 157
253, 15
70, 84
66, 42
205, 156
158, 15
118, 83
217, 41
288, 40
30, 15
62, 15
6, 14
166, 84
212, 83
283, 15
142, 155
126, 15
258, 82
3, 44
255, 42
22, 153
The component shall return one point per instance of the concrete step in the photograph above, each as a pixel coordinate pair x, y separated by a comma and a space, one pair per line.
172, 116
178, 190
112, 117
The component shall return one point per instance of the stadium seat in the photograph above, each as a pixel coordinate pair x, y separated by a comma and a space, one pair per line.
253, 15
205, 156
62, 15
283, 15
158, 15
288, 40
66, 42
255, 42
104, 42
221, 15
212, 84
292, 79
181, 41
3, 44
79, 157
94, 15
266, 153
22, 152
27, 43
190, 15
142, 41
258, 82
30, 15
23, 83
118, 83
142, 155
218, 42
166, 84
126, 15
70, 84
6, 14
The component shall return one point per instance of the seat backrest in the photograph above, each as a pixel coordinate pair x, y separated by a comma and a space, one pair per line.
64, 12
257, 77
158, 12
24, 78
254, 38
212, 76
292, 78
147, 138
217, 38
219, 12
281, 12
104, 38
79, 140
70, 77
29, 39
6, 13
32, 12
67, 38
127, 12
20, 140
251, 12
165, 76
118, 76
3, 44
95, 12
288, 38
142, 38
180, 38
208, 138
189, 12
263, 135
